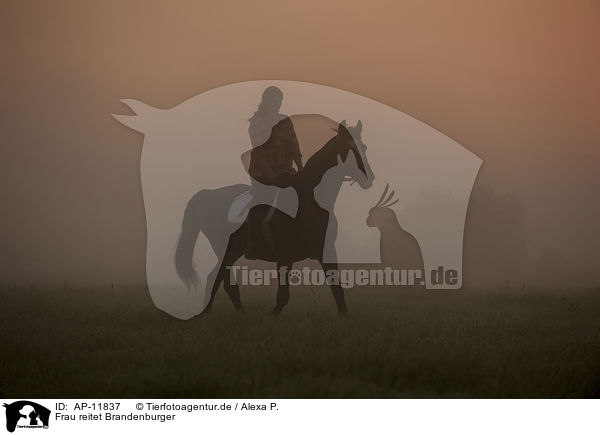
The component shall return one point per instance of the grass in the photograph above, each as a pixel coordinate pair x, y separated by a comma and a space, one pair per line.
68, 343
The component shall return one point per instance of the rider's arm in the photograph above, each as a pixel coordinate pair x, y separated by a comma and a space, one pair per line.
294, 146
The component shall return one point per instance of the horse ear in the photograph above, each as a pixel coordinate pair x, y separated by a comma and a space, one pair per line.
342, 129
143, 115
359, 127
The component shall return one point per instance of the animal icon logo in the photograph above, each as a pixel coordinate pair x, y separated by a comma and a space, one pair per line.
26, 414
197, 195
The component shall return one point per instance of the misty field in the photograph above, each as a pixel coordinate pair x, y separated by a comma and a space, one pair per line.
78, 342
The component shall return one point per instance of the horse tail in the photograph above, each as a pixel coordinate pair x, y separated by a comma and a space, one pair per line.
184, 253
206, 211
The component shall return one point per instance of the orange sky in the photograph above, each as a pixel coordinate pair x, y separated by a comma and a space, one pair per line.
515, 82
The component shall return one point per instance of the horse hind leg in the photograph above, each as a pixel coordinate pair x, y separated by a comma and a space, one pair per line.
233, 291
235, 249
211, 280
213, 292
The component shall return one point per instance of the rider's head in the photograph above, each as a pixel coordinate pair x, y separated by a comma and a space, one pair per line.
271, 100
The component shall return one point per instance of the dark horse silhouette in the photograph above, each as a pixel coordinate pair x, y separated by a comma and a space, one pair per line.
293, 239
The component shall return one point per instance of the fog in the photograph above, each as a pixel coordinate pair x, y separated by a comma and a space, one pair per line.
515, 83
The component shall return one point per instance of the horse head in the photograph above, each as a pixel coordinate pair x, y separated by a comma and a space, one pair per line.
350, 143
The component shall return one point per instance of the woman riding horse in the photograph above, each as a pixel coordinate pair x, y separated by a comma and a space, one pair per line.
275, 150
301, 237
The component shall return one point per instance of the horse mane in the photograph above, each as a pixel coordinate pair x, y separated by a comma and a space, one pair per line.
313, 131
322, 160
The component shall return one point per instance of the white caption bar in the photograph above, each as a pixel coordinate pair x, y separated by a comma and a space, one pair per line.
155, 416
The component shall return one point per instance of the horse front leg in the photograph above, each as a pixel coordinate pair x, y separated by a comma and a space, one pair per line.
336, 289
283, 290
